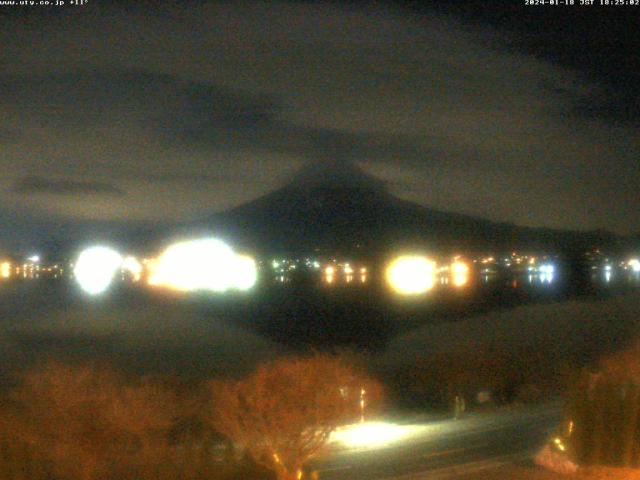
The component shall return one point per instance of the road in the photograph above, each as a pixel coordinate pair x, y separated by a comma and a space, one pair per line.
440, 449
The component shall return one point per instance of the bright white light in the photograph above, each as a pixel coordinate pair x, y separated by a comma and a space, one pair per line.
133, 266
245, 273
546, 272
34, 258
607, 268
634, 263
95, 268
547, 268
204, 264
373, 434
411, 275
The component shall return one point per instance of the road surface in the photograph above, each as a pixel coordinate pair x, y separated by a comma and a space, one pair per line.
440, 449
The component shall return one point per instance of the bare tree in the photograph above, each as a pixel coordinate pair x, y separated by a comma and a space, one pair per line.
284, 413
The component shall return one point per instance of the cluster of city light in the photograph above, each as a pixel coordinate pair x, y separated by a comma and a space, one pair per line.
206, 264
348, 272
344, 272
209, 264
285, 268
283, 265
51, 271
411, 274
29, 270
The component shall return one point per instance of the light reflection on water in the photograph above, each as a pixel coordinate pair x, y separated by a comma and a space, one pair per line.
546, 277
529, 279
542, 278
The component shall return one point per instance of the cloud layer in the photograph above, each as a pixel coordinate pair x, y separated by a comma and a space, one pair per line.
181, 111
39, 185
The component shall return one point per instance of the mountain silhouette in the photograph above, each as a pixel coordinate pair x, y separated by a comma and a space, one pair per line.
336, 207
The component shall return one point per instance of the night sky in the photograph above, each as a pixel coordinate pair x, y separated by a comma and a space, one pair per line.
158, 112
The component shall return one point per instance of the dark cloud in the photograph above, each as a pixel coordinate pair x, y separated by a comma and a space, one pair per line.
610, 104
183, 114
597, 41
38, 185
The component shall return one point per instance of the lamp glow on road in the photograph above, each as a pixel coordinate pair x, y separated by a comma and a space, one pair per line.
373, 434
95, 268
411, 275
203, 264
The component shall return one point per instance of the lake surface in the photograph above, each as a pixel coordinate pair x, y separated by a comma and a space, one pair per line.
199, 334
